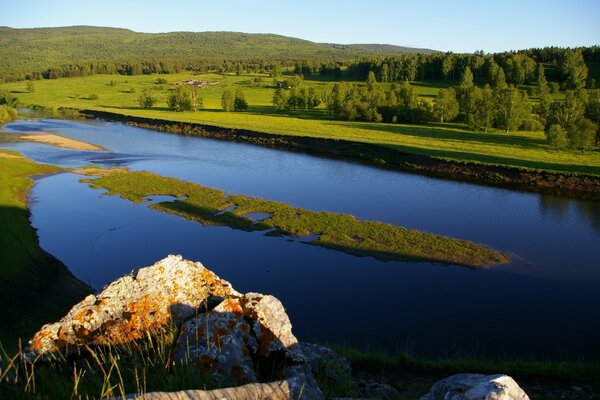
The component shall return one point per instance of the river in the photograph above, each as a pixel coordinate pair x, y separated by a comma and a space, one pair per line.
544, 304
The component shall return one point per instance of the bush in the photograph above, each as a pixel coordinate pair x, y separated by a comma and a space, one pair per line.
554, 87
160, 81
532, 124
131, 90
7, 114
557, 137
93, 96
146, 100
184, 99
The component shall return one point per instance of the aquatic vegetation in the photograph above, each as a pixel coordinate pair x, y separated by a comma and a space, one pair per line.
341, 232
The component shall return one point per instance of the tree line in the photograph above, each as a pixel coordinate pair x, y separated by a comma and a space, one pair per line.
567, 67
572, 122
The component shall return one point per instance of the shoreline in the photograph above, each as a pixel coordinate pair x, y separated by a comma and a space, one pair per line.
55, 140
570, 185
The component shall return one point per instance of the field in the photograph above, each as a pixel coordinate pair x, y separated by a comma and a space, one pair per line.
119, 94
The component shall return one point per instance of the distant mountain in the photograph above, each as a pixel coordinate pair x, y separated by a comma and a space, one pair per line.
39, 48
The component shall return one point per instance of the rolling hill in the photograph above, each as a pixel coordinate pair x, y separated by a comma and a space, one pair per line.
38, 48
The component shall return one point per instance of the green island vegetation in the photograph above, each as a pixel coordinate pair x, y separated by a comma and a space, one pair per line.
341, 232
34, 286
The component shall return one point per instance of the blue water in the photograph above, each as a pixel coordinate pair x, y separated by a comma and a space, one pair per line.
545, 303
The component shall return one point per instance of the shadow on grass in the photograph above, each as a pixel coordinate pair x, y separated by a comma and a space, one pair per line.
35, 287
451, 133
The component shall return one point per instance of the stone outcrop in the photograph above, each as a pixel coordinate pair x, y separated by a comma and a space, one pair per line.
150, 298
237, 338
238, 333
476, 387
289, 389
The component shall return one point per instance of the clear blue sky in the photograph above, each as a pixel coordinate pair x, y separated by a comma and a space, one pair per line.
457, 25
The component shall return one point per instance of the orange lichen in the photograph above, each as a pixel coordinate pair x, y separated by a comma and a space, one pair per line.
232, 306
142, 315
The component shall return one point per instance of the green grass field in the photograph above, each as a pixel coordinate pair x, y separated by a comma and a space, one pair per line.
340, 232
449, 141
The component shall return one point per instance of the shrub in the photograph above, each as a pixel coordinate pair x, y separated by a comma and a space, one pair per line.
146, 100
93, 96
557, 137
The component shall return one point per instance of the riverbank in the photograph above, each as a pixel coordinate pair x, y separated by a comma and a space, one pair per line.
35, 287
535, 180
60, 141
341, 232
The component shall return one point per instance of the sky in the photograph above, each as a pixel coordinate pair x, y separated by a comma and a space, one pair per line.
457, 25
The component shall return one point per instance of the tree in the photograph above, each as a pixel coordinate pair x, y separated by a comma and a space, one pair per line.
512, 107
557, 137
30, 87
146, 100
466, 80
371, 80
542, 83
445, 106
184, 98
582, 134
592, 110
499, 79
227, 100
567, 111
312, 98
7, 113
482, 117
572, 67
239, 102
280, 99
448, 66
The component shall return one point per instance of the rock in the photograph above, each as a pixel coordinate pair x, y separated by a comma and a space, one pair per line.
316, 356
476, 387
146, 300
248, 337
289, 389
381, 391
237, 338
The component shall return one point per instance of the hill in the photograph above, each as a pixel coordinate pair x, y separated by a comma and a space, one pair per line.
38, 48
388, 49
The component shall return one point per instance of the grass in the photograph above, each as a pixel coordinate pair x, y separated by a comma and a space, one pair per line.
340, 232
450, 141
140, 366
34, 287
413, 377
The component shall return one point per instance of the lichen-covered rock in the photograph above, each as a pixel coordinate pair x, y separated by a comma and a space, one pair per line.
149, 299
318, 356
242, 338
238, 338
289, 389
476, 387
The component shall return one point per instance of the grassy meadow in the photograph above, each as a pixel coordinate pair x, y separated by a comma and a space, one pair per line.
119, 94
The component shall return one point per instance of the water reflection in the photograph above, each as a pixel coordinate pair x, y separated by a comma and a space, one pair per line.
543, 303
